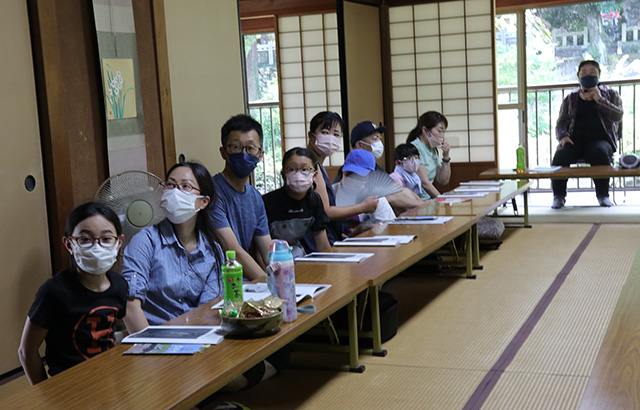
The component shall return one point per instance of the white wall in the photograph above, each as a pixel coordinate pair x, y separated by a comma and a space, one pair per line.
203, 42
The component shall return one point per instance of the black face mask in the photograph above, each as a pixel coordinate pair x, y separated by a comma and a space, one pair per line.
588, 81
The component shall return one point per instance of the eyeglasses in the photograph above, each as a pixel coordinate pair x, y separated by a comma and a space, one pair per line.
184, 186
88, 241
304, 171
249, 149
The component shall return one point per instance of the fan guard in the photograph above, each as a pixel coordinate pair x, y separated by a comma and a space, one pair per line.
135, 197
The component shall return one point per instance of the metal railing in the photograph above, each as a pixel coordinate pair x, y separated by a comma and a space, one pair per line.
543, 107
267, 173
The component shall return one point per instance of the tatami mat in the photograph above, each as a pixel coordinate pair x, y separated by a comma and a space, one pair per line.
568, 337
533, 391
383, 387
453, 331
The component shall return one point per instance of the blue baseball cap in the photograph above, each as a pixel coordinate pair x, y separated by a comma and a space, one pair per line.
363, 130
359, 161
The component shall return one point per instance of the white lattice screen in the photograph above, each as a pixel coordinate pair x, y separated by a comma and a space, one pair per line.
441, 59
309, 73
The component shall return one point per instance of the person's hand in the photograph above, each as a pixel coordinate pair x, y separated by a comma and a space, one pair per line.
369, 204
564, 141
591, 94
445, 149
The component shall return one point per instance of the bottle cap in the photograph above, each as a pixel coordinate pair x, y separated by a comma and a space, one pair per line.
231, 254
278, 245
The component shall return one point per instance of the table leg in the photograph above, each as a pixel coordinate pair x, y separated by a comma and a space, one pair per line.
476, 247
469, 256
353, 339
525, 196
374, 303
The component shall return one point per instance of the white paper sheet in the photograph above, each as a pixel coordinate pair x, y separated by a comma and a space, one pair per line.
334, 257
378, 240
438, 220
477, 189
483, 183
177, 334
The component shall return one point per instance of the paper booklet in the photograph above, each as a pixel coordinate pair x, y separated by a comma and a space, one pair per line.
177, 334
477, 189
427, 220
166, 348
483, 183
334, 257
259, 291
378, 240
452, 200
545, 169
464, 194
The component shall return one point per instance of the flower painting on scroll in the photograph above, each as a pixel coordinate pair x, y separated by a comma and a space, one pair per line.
119, 88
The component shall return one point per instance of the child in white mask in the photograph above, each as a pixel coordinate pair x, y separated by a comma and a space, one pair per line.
405, 173
296, 208
75, 311
368, 136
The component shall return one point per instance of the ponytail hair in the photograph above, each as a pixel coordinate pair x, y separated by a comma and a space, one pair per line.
429, 120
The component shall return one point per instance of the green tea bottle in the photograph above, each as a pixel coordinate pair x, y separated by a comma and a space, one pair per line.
231, 279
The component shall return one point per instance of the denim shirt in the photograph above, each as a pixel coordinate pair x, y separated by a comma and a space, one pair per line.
167, 280
609, 109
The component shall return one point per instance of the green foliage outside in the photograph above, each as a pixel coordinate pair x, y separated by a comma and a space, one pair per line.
267, 173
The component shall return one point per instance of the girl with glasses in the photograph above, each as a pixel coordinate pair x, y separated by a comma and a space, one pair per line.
296, 208
406, 171
75, 312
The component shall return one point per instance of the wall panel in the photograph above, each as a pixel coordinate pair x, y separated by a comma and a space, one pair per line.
203, 42
453, 72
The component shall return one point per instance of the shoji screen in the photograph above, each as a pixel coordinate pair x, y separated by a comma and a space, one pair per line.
309, 74
441, 59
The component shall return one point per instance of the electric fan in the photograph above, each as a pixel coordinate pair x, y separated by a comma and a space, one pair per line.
135, 197
354, 188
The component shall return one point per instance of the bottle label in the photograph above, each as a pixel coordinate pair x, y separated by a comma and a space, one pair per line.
232, 284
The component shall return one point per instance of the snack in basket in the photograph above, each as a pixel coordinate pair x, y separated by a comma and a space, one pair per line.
253, 309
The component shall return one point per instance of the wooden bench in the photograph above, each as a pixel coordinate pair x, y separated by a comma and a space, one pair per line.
598, 171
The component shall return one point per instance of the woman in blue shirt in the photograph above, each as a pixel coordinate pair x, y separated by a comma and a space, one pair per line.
174, 266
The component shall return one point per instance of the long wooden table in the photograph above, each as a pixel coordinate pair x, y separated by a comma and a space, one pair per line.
479, 206
114, 380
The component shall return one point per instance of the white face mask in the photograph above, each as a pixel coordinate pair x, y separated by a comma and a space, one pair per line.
377, 148
327, 144
298, 182
180, 206
95, 260
411, 165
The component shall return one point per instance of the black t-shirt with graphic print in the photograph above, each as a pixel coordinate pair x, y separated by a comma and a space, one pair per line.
291, 219
80, 322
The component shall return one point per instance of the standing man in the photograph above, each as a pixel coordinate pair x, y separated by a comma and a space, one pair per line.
239, 217
587, 128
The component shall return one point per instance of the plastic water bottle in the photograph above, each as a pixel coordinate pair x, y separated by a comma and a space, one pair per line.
520, 159
231, 279
282, 278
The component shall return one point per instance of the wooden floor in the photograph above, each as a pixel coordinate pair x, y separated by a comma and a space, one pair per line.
461, 343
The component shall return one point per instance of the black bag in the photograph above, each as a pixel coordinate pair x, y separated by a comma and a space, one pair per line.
388, 319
